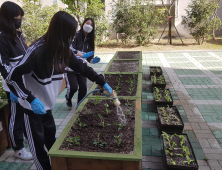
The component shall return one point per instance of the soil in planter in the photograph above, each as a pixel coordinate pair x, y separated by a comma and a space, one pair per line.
123, 84
128, 55
170, 117
176, 158
161, 95
124, 66
106, 136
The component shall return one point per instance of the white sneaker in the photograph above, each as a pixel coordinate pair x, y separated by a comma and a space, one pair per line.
23, 154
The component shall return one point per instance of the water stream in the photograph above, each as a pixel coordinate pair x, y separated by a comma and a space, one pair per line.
120, 115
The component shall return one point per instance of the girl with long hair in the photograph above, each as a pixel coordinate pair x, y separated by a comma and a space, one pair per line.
84, 42
12, 50
42, 67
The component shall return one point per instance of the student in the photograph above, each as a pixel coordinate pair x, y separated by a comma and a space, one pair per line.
12, 49
83, 42
42, 67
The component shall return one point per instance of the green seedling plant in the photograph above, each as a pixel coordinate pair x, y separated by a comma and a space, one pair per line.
130, 90
88, 110
98, 142
172, 162
128, 103
107, 110
168, 98
120, 126
76, 141
78, 122
118, 139
171, 153
96, 101
128, 112
161, 79
154, 78
102, 123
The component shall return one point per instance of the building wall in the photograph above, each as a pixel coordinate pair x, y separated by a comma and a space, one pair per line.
44, 2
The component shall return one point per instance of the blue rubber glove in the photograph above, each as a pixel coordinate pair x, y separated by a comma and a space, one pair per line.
87, 55
37, 107
95, 60
13, 98
108, 88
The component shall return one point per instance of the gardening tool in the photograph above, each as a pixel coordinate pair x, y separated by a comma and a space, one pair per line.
114, 96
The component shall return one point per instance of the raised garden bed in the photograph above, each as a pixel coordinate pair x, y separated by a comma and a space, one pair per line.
123, 84
128, 55
169, 119
124, 66
162, 96
95, 139
178, 152
158, 81
155, 70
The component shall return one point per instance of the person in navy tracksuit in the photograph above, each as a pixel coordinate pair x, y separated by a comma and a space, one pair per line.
12, 50
42, 68
84, 42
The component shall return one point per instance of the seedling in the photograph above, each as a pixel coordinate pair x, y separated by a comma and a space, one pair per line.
88, 110
96, 101
77, 122
76, 141
128, 112
98, 142
118, 139
102, 121
128, 104
172, 162
107, 110
171, 153
168, 98
130, 90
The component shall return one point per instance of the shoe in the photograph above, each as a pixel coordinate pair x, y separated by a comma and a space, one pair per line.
23, 154
68, 103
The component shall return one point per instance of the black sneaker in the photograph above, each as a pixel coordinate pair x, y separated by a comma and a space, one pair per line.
68, 103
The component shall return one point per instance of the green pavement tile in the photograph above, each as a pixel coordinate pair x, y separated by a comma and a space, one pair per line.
184, 118
145, 131
154, 132
156, 150
150, 140
62, 116
208, 119
145, 116
196, 145
190, 133
219, 140
146, 150
199, 154
14, 166
152, 118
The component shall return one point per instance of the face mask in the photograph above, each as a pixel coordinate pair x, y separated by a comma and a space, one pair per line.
18, 23
87, 28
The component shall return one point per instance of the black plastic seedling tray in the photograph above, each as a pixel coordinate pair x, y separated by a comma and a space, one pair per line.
169, 128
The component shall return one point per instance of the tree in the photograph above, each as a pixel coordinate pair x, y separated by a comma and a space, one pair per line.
136, 18
199, 19
96, 11
37, 18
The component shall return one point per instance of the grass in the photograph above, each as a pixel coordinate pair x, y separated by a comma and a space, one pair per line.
163, 45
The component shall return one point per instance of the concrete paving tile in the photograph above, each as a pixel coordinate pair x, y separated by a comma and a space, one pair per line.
152, 165
214, 143
152, 159
214, 156
214, 165
204, 168
202, 162
212, 151
5, 155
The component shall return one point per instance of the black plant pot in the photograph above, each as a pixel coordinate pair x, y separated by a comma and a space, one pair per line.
153, 70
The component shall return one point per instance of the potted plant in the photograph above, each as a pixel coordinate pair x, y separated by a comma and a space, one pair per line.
162, 96
155, 70
178, 152
158, 81
169, 119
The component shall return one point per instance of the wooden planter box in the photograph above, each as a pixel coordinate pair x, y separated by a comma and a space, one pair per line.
169, 128
172, 167
121, 55
157, 84
4, 133
157, 73
138, 87
158, 103
82, 160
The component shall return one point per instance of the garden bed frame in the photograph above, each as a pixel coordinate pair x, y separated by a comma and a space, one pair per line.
77, 160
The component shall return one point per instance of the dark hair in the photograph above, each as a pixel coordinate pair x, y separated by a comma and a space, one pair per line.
61, 31
8, 11
90, 35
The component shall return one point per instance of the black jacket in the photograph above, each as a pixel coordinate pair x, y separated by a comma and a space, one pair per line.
41, 82
11, 52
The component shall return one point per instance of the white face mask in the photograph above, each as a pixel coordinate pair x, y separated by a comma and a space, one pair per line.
87, 28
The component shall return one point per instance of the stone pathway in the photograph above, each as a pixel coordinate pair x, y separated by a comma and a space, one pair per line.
195, 82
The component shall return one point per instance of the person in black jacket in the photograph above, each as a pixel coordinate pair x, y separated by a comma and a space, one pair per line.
42, 68
83, 42
12, 49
